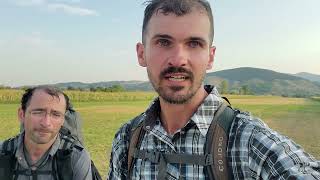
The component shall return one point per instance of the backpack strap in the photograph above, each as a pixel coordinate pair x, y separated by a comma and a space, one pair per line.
215, 155
63, 165
217, 142
7, 160
163, 159
62, 160
136, 135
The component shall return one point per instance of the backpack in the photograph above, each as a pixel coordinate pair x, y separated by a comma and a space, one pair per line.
71, 129
61, 164
215, 150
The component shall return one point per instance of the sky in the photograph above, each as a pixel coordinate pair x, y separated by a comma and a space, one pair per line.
52, 41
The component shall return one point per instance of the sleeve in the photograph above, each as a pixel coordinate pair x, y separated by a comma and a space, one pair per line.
81, 164
274, 156
118, 166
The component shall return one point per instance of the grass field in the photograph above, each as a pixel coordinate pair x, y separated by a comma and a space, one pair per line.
294, 117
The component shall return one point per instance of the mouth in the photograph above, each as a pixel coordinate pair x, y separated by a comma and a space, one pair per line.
43, 131
176, 78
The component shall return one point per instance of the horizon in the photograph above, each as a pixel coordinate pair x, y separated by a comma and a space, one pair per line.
26, 85
95, 40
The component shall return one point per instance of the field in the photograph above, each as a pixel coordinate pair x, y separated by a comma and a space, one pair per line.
104, 113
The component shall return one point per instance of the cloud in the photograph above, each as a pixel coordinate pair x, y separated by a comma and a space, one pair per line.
29, 2
59, 6
72, 9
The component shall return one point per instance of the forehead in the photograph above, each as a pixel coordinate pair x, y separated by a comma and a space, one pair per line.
193, 24
41, 99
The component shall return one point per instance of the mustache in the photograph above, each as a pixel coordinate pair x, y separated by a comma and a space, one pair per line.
173, 69
43, 130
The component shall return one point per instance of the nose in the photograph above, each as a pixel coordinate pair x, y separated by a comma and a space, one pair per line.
179, 57
46, 120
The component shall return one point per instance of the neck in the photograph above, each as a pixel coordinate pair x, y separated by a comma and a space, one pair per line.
36, 151
176, 116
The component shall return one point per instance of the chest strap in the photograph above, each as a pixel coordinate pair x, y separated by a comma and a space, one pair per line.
163, 159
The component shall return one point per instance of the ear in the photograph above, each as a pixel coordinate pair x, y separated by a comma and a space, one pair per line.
140, 54
21, 115
212, 52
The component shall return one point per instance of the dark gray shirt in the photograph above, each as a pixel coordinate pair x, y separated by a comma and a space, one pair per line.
80, 161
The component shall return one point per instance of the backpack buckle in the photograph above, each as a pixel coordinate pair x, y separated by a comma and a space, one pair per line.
153, 156
208, 160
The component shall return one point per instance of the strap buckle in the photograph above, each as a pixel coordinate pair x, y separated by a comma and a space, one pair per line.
208, 159
153, 156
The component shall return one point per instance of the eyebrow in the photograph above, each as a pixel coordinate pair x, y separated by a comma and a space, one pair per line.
198, 39
38, 109
43, 109
165, 36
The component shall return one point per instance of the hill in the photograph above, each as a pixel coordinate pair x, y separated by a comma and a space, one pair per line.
128, 85
262, 82
309, 76
245, 80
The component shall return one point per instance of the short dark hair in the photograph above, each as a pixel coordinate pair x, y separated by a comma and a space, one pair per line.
179, 8
51, 90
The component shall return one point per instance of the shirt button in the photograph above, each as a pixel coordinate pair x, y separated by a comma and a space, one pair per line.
19, 158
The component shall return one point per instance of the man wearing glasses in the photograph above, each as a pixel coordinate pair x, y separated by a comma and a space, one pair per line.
41, 152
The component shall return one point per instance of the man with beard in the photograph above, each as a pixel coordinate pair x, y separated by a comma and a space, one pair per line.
41, 152
177, 50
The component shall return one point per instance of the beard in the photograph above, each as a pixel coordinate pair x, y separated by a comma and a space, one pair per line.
171, 94
40, 136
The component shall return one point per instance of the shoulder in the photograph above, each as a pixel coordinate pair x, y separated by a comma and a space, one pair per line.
245, 130
9, 144
122, 136
1, 146
245, 125
68, 143
119, 152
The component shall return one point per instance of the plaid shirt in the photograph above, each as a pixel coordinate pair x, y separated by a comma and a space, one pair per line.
254, 150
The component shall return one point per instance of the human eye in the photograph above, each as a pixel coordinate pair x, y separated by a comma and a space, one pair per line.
194, 44
163, 42
38, 113
56, 115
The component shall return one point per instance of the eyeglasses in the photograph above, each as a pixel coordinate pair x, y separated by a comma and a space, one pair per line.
43, 113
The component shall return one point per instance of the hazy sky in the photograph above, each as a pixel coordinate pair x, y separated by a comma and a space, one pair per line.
50, 41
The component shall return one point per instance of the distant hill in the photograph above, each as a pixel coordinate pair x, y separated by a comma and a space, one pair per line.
128, 85
263, 82
239, 80
309, 76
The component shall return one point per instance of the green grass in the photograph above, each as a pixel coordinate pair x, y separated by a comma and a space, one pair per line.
296, 118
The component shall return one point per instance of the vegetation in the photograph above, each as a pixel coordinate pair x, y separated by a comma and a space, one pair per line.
297, 118
224, 87
14, 96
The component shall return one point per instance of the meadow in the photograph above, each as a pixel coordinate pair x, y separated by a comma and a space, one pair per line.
103, 113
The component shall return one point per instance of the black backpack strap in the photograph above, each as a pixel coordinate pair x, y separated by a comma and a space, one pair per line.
63, 164
163, 159
62, 159
7, 160
95, 173
217, 142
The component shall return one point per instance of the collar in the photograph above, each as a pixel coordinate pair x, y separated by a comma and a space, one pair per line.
202, 118
20, 154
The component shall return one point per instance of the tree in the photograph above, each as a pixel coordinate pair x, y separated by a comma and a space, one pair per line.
224, 87
245, 90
